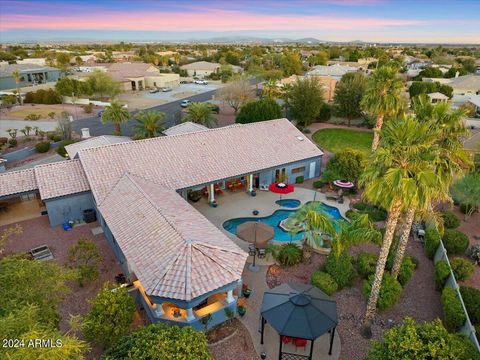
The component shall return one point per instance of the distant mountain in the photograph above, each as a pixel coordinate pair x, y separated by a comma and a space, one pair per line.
255, 40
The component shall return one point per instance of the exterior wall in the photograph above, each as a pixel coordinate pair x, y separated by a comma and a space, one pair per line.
199, 72
8, 82
162, 80
268, 176
68, 208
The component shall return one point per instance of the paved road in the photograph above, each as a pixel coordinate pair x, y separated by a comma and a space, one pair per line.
171, 109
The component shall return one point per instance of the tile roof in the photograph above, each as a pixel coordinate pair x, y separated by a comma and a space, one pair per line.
201, 65
16, 182
468, 82
187, 160
332, 70
173, 250
73, 149
184, 128
60, 179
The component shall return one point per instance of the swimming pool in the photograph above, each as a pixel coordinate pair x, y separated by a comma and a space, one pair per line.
288, 203
274, 220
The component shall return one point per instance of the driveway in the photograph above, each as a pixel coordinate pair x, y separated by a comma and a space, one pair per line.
20, 124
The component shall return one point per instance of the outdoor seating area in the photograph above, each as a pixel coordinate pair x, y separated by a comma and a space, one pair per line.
235, 185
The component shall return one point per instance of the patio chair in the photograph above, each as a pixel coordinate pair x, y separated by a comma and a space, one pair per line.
331, 195
286, 340
300, 343
261, 253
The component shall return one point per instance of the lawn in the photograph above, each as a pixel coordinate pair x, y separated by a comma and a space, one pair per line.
336, 140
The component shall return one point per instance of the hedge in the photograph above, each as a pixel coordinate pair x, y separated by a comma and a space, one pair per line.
452, 310
432, 242
366, 264
471, 299
450, 220
462, 268
324, 282
407, 270
389, 292
42, 147
442, 272
341, 269
61, 147
455, 242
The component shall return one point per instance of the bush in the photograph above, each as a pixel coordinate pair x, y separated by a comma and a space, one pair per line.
374, 213
88, 108
467, 209
474, 253
450, 220
299, 179
42, 96
366, 264
432, 241
347, 164
351, 214
32, 117
340, 268
324, 282
389, 292
3, 141
462, 268
360, 206
42, 147
261, 110
289, 254
452, 310
61, 147
52, 114
325, 113
86, 257
406, 270
471, 298
455, 242
12, 142
442, 272
318, 184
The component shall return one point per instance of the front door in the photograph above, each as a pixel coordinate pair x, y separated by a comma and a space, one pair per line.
311, 173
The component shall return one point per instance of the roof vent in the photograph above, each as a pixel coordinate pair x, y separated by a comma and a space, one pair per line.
300, 138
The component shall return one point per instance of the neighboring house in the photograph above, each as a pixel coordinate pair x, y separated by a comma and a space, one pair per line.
181, 266
465, 85
475, 100
123, 55
30, 75
335, 71
184, 128
328, 84
437, 97
361, 64
73, 149
204, 68
35, 61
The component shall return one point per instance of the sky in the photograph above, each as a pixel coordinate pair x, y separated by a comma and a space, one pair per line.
419, 21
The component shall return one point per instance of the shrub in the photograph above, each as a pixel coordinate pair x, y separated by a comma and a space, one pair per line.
12, 142
432, 241
3, 140
360, 206
340, 268
324, 282
42, 96
88, 108
261, 110
347, 164
442, 272
42, 147
351, 215
455, 242
61, 147
471, 298
474, 253
406, 270
328, 176
325, 113
366, 264
110, 316
450, 220
467, 209
52, 115
389, 292
452, 310
289, 254
462, 268
32, 116
86, 257
299, 179
318, 184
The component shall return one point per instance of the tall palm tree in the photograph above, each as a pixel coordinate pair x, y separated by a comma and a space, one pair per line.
451, 161
382, 98
201, 113
18, 78
116, 114
391, 180
149, 124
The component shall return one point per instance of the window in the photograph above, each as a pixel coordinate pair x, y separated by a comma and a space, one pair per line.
298, 170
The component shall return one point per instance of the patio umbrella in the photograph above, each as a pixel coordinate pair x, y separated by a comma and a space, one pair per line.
281, 188
299, 311
257, 233
343, 184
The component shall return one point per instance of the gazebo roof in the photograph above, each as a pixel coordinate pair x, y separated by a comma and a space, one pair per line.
299, 310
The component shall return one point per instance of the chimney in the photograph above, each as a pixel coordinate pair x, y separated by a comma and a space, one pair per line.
85, 133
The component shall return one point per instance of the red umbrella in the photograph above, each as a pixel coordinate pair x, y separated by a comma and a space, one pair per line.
281, 188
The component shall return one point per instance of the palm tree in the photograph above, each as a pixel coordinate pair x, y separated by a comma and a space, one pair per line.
451, 162
382, 98
201, 113
148, 124
18, 78
116, 114
391, 180
313, 222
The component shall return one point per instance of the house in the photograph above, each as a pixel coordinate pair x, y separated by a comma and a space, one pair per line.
184, 128
205, 68
465, 85
437, 97
31, 74
328, 83
475, 100
73, 149
336, 71
34, 61
180, 265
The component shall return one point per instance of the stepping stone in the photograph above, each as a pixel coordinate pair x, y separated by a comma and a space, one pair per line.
97, 230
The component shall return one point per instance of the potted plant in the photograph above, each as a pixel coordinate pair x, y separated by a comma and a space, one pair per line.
241, 309
246, 291
213, 204
253, 193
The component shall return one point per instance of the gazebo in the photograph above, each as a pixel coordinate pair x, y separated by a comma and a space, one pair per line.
299, 311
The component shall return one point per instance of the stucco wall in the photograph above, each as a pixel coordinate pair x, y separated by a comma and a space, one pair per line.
68, 208
267, 177
162, 80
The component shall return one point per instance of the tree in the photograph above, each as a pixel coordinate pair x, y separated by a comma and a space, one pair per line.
40, 283
291, 63
349, 92
18, 79
78, 61
305, 99
26, 324
159, 341
236, 94
452, 72
422, 341
65, 125
62, 60
382, 97
110, 317
261, 110
391, 180
86, 257
201, 113
102, 84
149, 124
429, 72
466, 192
66, 87
116, 114
421, 87
347, 164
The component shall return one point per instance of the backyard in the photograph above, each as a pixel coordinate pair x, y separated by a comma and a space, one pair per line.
338, 139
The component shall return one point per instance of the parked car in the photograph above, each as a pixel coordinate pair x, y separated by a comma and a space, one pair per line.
166, 89
185, 103
153, 91
185, 82
201, 82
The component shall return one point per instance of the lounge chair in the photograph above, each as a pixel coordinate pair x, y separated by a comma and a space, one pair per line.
331, 195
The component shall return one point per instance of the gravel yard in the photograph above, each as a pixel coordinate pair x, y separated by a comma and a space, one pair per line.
238, 347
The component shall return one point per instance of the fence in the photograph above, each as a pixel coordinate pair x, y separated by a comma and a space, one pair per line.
467, 328
24, 153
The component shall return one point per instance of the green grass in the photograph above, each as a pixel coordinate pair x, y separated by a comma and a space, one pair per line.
336, 140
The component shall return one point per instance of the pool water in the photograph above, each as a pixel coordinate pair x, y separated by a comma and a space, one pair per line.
288, 203
275, 219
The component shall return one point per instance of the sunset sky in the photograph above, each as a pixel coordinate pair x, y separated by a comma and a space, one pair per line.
336, 20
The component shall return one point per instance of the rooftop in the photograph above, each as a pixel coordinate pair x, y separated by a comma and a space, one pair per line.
16, 182
201, 65
74, 149
6, 70
184, 128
